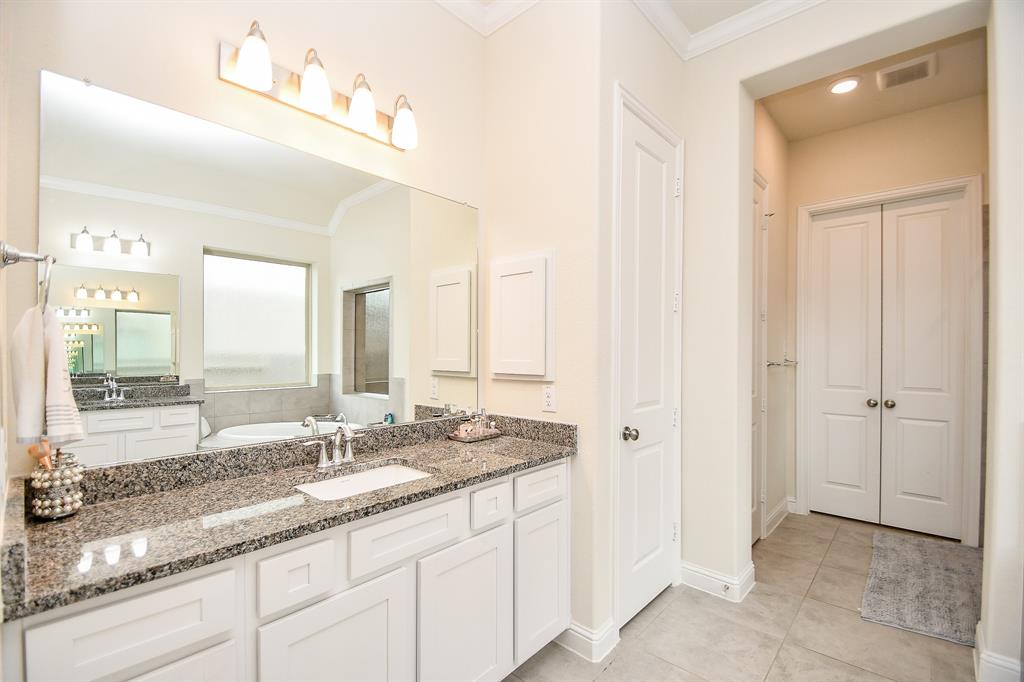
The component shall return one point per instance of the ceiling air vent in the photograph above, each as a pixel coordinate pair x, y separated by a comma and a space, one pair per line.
907, 72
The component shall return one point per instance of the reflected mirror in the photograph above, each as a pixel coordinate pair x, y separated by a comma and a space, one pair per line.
219, 288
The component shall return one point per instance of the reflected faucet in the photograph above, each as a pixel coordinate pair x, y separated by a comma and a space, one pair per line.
310, 422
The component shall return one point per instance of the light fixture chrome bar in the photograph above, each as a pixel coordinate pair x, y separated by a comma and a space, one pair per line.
286, 90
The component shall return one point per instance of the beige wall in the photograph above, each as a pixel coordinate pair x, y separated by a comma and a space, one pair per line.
771, 152
946, 141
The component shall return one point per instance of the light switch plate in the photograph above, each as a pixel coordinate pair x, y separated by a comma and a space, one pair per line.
435, 384
550, 405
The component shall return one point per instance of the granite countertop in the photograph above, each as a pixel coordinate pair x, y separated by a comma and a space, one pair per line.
162, 533
132, 403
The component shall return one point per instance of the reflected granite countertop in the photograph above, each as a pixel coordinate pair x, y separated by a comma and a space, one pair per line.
133, 403
193, 510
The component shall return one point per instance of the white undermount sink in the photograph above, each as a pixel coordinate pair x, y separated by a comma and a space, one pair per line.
361, 482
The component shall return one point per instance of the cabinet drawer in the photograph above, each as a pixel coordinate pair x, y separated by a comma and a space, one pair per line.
102, 448
175, 440
290, 578
178, 416
118, 420
540, 487
109, 639
216, 664
490, 505
382, 544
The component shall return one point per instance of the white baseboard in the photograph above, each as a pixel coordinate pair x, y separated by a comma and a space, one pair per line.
592, 645
990, 666
731, 588
791, 505
775, 516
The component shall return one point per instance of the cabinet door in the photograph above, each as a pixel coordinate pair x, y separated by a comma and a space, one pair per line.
216, 664
165, 442
542, 578
101, 448
365, 634
465, 610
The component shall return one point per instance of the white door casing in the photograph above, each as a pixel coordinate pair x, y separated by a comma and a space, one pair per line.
923, 345
844, 362
758, 396
646, 262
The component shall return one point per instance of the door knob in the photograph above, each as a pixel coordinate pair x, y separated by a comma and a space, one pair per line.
871, 402
629, 434
890, 404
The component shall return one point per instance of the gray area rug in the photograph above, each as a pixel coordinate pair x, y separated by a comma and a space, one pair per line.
928, 586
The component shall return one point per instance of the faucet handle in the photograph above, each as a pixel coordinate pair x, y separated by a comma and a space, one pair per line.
324, 463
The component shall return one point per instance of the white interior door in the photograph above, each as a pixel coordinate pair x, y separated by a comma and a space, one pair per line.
758, 404
844, 362
923, 340
647, 267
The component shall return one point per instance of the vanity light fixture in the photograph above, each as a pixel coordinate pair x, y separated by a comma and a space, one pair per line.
116, 295
112, 244
253, 69
81, 292
403, 130
315, 92
100, 294
83, 240
133, 296
844, 85
140, 247
362, 112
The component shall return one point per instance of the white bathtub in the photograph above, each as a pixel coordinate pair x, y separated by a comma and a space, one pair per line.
262, 433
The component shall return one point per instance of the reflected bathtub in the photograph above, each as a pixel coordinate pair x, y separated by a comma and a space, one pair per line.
247, 434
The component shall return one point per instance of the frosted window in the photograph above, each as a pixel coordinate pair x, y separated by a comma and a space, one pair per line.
144, 343
372, 324
255, 323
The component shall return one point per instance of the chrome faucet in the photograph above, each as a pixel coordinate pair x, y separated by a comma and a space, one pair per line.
310, 423
343, 434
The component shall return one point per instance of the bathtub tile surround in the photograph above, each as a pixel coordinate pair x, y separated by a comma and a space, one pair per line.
224, 409
198, 509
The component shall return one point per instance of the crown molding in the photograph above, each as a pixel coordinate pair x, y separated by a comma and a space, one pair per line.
486, 19
689, 45
363, 195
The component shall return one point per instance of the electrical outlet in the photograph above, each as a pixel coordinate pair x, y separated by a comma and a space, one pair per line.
549, 398
435, 385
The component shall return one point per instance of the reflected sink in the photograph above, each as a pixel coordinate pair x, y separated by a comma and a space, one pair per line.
361, 482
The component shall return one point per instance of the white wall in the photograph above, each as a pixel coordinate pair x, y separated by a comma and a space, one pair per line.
771, 151
999, 641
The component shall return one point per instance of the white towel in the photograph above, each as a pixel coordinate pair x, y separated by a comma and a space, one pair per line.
28, 376
63, 423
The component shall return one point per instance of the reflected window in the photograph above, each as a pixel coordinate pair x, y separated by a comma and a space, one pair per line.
368, 339
144, 344
256, 322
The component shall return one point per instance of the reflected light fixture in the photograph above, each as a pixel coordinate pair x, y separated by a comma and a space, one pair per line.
140, 247
253, 68
83, 240
81, 292
112, 244
116, 295
844, 85
315, 93
133, 296
403, 131
362, 112
101, 294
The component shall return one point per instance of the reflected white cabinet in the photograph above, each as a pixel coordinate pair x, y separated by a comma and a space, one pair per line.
137, 433
365, 633
542, 578
451, 296
465, 610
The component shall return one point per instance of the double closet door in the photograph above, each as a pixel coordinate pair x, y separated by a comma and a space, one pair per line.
885, 349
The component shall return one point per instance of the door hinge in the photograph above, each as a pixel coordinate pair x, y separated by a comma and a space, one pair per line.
679, 187
675, 302
764, 316
675, 416
675, 532
764, 404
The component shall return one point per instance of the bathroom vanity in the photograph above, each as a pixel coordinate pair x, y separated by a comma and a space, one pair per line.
461, 574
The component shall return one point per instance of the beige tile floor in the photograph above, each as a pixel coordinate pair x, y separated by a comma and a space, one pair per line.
800, 623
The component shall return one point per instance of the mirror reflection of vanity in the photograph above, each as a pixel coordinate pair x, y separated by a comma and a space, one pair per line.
228, 287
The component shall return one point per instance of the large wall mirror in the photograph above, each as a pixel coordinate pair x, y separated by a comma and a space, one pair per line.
196, 262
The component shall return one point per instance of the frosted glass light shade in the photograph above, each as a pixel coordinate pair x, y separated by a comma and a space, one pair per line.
403, 131
140, 247
116, 295
100, 295
81, 292
112, 244
133, 296
362, 112
83, 240
253, 68
315, 91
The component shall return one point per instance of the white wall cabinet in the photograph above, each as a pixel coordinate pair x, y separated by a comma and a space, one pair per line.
465, 610
521, 318
137, 433
365, 633
418, 593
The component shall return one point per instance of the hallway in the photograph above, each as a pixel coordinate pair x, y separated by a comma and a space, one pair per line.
800, 623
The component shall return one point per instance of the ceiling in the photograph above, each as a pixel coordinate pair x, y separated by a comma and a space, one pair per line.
99, 140
698, 15
810, 109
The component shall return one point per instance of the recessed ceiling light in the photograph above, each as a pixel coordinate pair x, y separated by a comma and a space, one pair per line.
844, 85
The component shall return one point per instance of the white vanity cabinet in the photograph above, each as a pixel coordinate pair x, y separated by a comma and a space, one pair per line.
137, 433
464, 586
